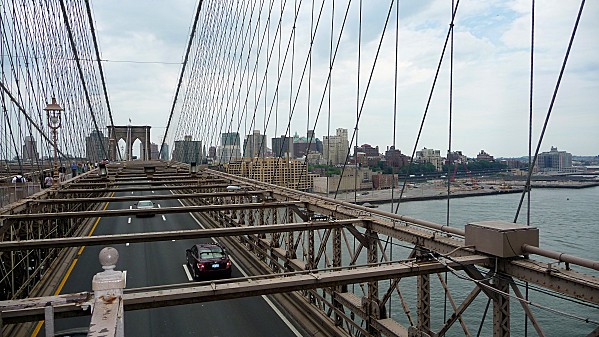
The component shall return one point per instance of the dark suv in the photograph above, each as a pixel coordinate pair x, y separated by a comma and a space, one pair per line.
208, 261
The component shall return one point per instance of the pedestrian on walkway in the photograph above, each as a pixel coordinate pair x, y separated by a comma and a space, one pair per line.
19, 178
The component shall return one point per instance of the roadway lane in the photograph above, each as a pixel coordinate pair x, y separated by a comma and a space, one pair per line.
159, 263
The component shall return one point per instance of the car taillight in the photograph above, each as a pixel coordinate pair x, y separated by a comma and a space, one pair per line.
200, 266
228, 263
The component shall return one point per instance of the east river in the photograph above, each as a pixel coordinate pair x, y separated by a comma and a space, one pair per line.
567, 220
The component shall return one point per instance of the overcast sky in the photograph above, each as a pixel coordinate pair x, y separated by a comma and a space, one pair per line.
143, 43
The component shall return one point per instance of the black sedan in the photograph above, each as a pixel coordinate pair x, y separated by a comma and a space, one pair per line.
208, 261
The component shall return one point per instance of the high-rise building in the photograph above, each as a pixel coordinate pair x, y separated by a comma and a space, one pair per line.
228, 150
188, 150
282, 146
30, 149
229, 138
95, 145
254, 145
305, 145
212, 152
154, 151
554, 160
335, 148
164, 151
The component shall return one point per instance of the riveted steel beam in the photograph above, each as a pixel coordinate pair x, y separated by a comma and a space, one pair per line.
169, 235
154, 297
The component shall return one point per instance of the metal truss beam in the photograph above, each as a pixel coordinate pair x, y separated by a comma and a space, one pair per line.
164, 210
438, 238
169, 235
155, 186
153, 297
147, 197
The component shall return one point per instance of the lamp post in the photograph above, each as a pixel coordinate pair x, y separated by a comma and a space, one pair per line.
53, 111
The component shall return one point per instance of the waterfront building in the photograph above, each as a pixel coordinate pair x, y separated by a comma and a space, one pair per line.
279, 171
394, 158
433, 156
352, 178
456, 157
554, 160
384, 181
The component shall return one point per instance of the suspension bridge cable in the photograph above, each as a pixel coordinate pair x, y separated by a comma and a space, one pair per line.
428, 103
367, 88
553, 98
182, 72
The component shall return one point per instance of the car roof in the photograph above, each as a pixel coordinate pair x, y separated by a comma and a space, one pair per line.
208, 245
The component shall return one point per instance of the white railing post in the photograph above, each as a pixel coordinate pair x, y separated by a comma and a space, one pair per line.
107, 311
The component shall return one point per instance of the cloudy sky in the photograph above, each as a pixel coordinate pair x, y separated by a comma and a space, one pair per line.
143, 44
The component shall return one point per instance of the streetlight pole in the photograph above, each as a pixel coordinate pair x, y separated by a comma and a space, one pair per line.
53, 111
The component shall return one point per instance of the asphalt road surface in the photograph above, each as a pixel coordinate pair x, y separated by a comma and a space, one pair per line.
160, 263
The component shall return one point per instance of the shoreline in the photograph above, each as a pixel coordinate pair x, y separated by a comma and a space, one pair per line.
432, 191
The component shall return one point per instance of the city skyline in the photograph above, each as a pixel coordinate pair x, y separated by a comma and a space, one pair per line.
491, 82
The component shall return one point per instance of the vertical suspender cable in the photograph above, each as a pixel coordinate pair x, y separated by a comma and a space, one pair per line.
358, 101
449, 143
191, 36
97, 50
553, 98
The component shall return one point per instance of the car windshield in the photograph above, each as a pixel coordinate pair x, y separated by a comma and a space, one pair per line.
144, 204
214, 253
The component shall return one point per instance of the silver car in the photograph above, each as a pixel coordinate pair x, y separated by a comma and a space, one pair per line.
145, 204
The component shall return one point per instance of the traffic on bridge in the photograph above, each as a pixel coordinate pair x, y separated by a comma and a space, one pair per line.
210, 215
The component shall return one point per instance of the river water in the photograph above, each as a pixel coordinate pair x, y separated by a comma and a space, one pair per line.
567, 222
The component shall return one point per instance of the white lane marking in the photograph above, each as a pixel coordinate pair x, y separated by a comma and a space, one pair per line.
187, 272
163, 218
129, 221
266, 299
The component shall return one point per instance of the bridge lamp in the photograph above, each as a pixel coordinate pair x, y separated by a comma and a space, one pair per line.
53, 111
